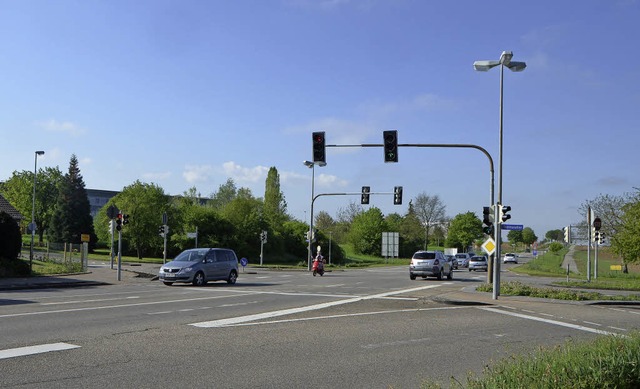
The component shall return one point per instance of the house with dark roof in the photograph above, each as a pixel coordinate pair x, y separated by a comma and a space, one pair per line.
5, 206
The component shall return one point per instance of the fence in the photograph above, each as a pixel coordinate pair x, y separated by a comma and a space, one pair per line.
62, 253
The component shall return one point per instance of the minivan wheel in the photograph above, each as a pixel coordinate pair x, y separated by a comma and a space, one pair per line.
198, 279
233, 276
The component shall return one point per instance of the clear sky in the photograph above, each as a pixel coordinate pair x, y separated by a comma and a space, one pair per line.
189, 93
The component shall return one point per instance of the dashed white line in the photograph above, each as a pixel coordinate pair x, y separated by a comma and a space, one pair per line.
39, 349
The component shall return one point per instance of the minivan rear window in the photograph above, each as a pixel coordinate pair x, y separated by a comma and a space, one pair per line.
424, 255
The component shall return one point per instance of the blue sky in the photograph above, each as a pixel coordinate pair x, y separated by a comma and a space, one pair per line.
189, 93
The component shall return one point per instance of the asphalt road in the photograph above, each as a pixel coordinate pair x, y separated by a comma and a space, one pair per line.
370, 328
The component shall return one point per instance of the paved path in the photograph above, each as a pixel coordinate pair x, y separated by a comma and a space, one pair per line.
570, 261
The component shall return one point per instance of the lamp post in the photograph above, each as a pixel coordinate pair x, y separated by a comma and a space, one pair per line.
483, 66
33, 209
312, 166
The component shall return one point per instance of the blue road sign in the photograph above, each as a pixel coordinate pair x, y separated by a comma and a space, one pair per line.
513, 227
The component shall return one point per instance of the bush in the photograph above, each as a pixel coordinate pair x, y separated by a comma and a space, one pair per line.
13, 268
11, 241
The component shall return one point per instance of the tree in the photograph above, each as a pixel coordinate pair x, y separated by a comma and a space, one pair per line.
245, 215
411, 233
528, 236
225, 194
555, 235
465, 228
18, 190
555, 247
323, 221
429, 210
609, 209
366, 232
626, 242
72, 214
514, 237
275, 206
145, 204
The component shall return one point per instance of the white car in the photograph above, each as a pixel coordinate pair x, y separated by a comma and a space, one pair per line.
510, 258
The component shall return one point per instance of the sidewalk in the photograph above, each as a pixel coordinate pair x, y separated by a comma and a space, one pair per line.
570, 261
98, 274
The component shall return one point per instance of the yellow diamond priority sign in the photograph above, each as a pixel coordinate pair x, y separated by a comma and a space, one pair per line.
489, 246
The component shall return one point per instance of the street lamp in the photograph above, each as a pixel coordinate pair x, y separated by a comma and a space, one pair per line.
483, 66
33, 209
312, 166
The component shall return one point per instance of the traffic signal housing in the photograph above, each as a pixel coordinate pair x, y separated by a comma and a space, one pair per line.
119, 222
364, 197
319, 147
488, 219
503, 216
397, 195
567, 234
161, 230
390, 138
125, 219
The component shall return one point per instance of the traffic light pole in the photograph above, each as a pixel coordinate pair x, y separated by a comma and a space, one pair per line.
495, 259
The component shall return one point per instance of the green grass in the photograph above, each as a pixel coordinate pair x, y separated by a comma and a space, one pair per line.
516, 288
606, 362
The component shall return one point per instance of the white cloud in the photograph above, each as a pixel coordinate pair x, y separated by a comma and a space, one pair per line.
330, 181
242, 174
197, 173
65, 127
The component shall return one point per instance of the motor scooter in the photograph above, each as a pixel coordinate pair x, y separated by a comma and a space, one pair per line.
318, 267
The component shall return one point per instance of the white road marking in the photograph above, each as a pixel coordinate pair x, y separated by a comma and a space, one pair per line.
343, 315
86, 301
554, 322
267, 315
39, 349
114, 306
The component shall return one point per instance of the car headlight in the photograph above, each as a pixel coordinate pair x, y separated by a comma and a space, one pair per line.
186, 270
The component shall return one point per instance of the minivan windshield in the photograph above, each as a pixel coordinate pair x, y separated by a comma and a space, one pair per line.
191, 255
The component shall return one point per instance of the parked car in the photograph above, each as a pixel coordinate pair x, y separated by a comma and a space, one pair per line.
478, 262
201, 265
452, 258
510, 258
463, 259
430, 263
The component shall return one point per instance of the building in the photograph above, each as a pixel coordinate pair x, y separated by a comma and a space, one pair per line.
98, 198
5, 206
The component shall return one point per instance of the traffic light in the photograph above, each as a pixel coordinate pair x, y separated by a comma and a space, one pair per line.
488, 219
125, 219
593, 234
119, 222
319, 147
161, 230
601, 235
502, 213
364, 198
397, 195
567, 234
390, 145
596, 237
111, 225
263, 237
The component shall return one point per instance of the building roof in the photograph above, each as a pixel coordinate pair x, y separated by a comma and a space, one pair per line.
5, 206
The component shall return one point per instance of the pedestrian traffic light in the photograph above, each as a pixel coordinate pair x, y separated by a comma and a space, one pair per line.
125, 219
397, 195
503, 216
488, 219
567, 234
390, 145
364, 198
119, 222
319, 147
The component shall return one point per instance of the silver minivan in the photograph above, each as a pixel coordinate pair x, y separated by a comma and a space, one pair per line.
201, 265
